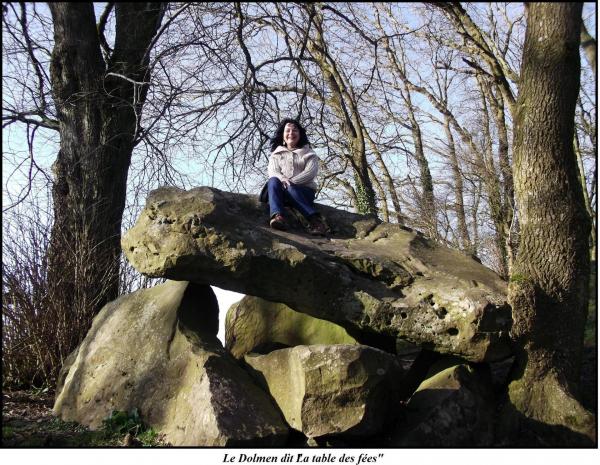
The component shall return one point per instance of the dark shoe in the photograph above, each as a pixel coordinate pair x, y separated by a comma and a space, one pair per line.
316, 226
278, 222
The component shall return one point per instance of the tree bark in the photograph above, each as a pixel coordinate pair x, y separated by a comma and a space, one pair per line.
549, 283
389, 182
99, 116
427, 199
492, 183
463, 232
383, 206
586, 197
343, 103
589, 46
508, 190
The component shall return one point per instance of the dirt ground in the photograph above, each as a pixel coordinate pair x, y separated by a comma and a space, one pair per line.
28, 421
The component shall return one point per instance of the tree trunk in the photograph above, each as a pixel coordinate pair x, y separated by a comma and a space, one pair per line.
343, 103
389, 182
463, 232
586, 197
483, 47
589, 46
492, 183
383, 206
549, 283
99, 116
427, 199
508, 191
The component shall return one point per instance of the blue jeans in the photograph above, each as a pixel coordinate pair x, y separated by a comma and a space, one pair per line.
300, 197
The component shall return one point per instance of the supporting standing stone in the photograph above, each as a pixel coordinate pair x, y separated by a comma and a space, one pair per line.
255, 324
156, 350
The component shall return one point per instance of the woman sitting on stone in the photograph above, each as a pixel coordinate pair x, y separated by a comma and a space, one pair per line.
293, 168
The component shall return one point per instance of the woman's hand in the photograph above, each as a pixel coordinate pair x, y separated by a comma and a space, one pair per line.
286, 182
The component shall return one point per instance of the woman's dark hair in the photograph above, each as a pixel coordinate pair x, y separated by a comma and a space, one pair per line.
277, 139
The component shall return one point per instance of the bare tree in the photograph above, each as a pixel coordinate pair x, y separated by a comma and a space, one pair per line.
410, 107
590, 47
99, 100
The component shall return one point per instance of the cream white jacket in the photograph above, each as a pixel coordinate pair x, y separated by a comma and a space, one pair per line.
299, 165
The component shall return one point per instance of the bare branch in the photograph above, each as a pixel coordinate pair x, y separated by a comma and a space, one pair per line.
106, 50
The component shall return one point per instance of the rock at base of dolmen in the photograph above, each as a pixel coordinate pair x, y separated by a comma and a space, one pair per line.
331, 389
255, 325
452, 407
156, 350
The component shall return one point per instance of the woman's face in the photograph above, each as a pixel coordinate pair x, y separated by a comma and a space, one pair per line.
291, 135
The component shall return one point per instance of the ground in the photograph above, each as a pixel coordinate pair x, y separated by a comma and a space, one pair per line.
28, 421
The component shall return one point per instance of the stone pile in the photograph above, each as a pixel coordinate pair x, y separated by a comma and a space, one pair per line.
316, 350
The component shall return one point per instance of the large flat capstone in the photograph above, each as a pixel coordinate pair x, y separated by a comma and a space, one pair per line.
367, 276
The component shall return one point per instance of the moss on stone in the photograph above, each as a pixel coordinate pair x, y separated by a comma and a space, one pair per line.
255, 322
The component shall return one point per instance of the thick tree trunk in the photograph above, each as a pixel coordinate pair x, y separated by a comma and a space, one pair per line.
98, 115
549, 283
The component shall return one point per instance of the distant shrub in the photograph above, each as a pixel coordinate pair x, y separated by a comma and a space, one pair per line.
41, 328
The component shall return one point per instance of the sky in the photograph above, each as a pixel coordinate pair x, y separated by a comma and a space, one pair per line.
226, 299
